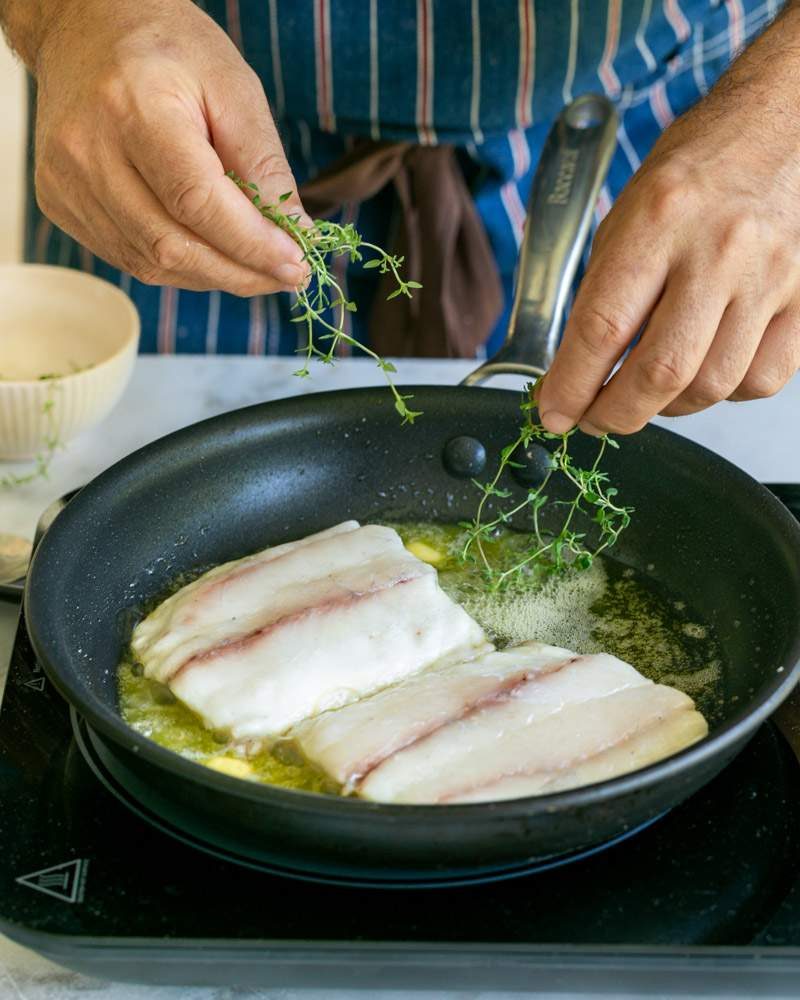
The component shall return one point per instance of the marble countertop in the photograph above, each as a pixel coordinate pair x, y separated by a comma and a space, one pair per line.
168, 393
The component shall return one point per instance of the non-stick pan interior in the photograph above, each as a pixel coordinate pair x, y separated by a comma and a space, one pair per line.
270, 473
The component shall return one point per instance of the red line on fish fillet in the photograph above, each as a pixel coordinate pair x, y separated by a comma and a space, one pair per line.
234, 645
258, 561
503, 692
629, 734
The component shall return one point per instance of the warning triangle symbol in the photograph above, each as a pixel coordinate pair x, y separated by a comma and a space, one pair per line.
64, 881
37, 683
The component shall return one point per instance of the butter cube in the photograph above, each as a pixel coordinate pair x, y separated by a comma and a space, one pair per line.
427, 553
233, 766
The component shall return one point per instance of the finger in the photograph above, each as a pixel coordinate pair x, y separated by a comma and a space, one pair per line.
664, 361
740, 331
247, 142
100, 235
113, 213
86, 220
187, 177
777, 359
167, 252
97, 230
117, 239
613, 301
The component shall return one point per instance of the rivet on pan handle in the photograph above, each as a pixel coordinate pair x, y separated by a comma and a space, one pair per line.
572, 168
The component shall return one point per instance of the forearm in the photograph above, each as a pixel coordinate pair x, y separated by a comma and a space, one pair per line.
780, 40
768, 71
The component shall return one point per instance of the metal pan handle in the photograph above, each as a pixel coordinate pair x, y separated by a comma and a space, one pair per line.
573, 166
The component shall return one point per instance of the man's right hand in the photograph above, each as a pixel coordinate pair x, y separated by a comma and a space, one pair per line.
142, 107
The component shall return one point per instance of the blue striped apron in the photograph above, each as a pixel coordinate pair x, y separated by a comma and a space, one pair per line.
488, 76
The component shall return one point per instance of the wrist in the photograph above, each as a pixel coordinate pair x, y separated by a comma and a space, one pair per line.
29, 24
766, 72
36, 27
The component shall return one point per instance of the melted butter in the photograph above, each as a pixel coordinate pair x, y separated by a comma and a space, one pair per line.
147, 709
607, 608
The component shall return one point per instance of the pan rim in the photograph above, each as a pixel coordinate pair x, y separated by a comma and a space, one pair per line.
732, 731
112, 727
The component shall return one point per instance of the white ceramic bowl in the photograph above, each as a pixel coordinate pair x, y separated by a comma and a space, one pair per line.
68, 341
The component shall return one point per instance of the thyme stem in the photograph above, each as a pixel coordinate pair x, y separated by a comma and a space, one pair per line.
566, 547
42, 461
322, 241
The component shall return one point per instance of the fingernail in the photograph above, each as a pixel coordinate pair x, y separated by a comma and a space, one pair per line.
290, 274
556, 423
588, 428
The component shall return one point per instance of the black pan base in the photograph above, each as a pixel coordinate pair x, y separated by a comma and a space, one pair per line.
86, 741
688, 902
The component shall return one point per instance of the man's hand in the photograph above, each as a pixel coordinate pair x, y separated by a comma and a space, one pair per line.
142, 107
702, 249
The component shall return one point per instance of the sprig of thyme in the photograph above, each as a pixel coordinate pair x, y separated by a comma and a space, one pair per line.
52, 442
593, 500
321, 242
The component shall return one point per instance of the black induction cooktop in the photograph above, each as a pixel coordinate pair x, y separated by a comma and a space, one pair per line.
706, 900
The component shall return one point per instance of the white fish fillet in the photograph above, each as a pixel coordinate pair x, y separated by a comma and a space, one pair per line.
351, 741
223, 602
651, 743
592, 719
271, 641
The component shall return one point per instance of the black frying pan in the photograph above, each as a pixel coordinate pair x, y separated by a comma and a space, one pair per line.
270, 473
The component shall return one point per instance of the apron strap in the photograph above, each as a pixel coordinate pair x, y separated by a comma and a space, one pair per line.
441, 238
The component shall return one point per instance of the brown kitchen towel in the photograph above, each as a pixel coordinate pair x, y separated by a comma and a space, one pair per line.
441, 237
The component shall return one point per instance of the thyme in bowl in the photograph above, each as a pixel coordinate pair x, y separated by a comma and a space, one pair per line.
592, 504
52, 442
320, 243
